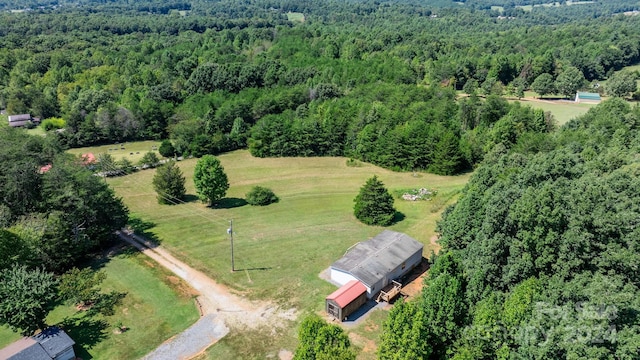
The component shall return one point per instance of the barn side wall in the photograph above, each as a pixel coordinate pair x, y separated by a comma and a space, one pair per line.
354, 305
409, 264
341, 277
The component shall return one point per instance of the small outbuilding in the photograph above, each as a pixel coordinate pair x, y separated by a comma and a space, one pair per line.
588, 98
347, 299
22, 120
51, 344
379, 261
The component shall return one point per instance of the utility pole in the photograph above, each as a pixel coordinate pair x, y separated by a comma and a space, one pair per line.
230, 232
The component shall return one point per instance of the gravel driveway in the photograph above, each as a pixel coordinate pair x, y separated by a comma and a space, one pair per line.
221, 310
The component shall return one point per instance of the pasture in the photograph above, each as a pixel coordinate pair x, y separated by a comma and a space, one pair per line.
279, 249
563, 110
156, 307
134, 151
295, 16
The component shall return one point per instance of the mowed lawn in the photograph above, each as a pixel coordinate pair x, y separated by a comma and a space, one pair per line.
156, 307
279, 249
563, 110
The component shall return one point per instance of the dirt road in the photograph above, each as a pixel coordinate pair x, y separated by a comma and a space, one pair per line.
231, 312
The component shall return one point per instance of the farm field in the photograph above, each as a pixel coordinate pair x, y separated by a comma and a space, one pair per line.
156, 307
295, 16
279, 249
563, 110
123, 150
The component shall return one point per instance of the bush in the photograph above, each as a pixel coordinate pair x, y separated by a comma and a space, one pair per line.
53, 123
261, 196
166, 149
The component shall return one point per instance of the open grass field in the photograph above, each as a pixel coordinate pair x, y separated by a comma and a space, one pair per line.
563, 110
156, 307
279, 249
295, 16
123, 150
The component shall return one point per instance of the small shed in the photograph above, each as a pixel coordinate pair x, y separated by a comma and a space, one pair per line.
588, 98
378, 261
19, 120
347, 299
51, 344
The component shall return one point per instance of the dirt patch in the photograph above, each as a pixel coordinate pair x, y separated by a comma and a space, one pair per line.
183, 289
415, 280
285, 355
368, 346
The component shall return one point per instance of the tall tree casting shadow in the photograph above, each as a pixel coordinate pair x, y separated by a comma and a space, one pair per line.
87, 332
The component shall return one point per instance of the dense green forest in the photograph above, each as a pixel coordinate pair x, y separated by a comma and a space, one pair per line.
217, 76
540, 253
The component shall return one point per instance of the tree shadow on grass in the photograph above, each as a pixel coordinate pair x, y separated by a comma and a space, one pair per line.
229, 203
190, 198
142, 227
87, 332
397, 217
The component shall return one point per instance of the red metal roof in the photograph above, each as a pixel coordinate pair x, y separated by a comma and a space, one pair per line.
347, 293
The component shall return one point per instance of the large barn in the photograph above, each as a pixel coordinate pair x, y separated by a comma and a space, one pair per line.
378, 261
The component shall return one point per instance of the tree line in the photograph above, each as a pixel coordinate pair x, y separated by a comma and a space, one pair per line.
230, 76
539, 253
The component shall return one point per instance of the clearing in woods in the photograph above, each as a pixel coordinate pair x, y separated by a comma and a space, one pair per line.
279, 249
295, 16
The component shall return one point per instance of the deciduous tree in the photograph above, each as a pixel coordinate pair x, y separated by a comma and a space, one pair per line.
210, 180
26, 298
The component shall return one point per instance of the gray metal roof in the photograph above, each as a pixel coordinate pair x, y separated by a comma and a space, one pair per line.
54, 341
20, 117
369, 261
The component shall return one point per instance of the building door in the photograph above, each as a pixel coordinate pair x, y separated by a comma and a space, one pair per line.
334, 311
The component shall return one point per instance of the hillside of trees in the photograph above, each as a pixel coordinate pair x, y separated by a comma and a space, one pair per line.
540, 253
214, 77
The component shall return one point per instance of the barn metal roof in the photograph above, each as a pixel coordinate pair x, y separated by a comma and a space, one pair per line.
347, 293
588, 96
369, 261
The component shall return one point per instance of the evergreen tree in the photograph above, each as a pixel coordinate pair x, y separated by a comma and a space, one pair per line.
168, 182
166, 149
374, 204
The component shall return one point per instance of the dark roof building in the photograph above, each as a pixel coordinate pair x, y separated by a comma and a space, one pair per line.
51, 344
376, 262
19, 120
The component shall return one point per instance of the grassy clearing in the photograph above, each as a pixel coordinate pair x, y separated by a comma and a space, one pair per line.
280, 249
123, 150
563, 110
366, 335
295, 16
156, 307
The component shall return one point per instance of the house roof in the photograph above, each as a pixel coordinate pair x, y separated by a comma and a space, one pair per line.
19, 123
23, 349
54, 341
20, 117
88, 158
347, 293
45, 346
370, 261
588, 96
